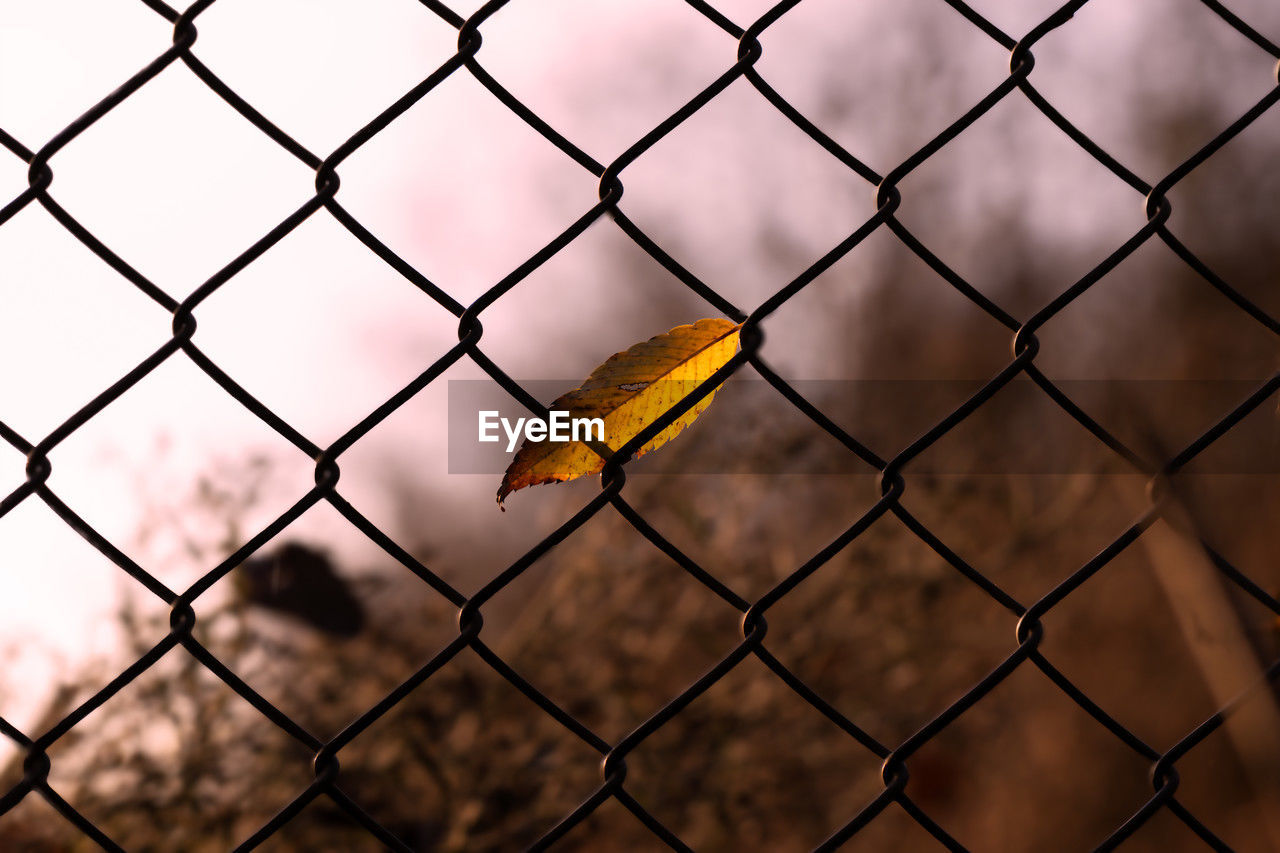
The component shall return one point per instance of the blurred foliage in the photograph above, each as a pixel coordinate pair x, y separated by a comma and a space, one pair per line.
610, 630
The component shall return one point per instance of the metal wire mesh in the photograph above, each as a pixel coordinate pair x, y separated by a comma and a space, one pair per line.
1027, 617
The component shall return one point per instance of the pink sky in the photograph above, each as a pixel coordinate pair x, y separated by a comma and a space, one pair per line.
178, 184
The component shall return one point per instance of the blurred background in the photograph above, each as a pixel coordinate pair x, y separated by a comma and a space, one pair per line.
323, 623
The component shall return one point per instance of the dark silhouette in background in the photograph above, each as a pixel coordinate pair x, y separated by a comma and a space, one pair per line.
300, 582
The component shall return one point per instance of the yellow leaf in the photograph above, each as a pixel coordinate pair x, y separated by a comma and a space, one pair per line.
628, 392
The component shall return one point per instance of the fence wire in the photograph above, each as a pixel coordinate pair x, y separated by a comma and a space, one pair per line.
1026, 617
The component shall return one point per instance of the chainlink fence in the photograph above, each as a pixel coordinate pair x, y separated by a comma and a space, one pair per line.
1025, 617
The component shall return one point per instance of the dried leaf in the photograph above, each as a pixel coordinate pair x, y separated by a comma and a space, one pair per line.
628, 392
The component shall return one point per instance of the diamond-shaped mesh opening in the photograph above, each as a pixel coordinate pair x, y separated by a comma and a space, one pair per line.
299, 62
621, 82
182, 524
1025, 532
888, 632
612, 603
468, 762
1144, 308
177, 232
754, 751
962, 769
273, 333
812, 200
750, 550
925, 329
1232, 506
475, 210
33, 825
881, 40
1222, 782
322, 823
77, 354
1093, 79
1210, 209
180, 740
1165, 831
614, 822
891, 828
597, 275
1098, 619
1014, 172
67, 52
46, 563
